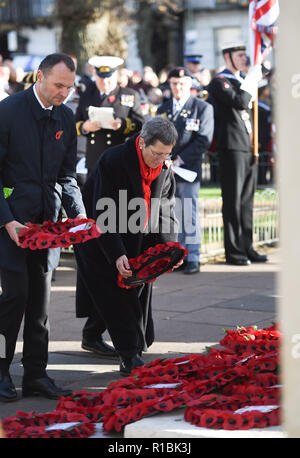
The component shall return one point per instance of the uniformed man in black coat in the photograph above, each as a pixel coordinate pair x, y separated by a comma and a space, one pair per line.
232, 94
110, 195
125, 102
105, 92
194, 121
37, 171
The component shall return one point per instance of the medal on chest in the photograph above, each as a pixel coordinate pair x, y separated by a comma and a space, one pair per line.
127, 100
192, 125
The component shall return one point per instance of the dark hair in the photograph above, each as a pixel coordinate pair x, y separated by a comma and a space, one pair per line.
161, 129
53, 59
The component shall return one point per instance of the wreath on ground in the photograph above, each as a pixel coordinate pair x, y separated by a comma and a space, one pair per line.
234, 387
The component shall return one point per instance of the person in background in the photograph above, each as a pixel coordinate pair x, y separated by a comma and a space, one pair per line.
4, 81
232, 94
264, 131
194, 122
106, 92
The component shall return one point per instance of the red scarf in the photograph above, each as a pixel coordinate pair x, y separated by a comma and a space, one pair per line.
148, 175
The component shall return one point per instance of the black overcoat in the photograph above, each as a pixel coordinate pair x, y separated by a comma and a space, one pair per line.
195, 127
37, 161
126, 105
127, 313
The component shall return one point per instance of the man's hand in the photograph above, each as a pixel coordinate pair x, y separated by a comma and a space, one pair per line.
81, 216
116, 123
123, 266
91, 126
12, 230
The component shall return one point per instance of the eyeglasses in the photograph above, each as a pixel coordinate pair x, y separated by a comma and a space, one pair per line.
159, 155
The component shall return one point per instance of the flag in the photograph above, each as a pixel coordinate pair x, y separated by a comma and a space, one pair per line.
263, 15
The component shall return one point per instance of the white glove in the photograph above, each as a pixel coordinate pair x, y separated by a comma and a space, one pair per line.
255, 72
178, 161
250, 83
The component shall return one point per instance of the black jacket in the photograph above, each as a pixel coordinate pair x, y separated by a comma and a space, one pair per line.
126, 105
195, 126
38, 161
232, 112
126, 314
264, 126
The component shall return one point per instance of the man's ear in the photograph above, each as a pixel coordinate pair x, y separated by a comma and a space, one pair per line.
39, 76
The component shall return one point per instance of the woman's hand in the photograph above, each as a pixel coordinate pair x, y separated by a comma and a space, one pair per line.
123, 266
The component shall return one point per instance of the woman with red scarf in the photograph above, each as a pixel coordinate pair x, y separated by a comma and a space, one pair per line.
130, 193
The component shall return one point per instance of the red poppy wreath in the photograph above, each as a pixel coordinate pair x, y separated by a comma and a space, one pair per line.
58, 235
152, 263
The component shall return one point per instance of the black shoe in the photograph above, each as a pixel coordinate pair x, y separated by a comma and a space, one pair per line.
8, 391
238, 262
192, 267
256, 257
128, 364
43, 386
100, 348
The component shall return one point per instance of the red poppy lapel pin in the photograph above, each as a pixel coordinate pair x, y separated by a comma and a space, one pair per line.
58, 134
111, 98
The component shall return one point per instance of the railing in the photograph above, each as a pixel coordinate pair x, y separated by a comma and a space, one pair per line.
265, 222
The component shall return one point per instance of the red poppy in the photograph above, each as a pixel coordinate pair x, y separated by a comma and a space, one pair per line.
43, 241
208, 419
111, 98
232, 421
58, 134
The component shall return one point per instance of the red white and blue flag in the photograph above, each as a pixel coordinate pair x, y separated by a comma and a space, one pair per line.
263, 15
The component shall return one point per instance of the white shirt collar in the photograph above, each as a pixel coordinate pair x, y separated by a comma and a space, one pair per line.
39, 100
180, 103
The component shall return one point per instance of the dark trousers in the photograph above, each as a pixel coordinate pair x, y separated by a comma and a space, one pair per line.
93, 328
238, 181
127, 340
26, 294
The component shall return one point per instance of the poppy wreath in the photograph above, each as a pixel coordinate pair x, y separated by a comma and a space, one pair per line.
232, 387
154, 262
221, 381
32, 425
57, 235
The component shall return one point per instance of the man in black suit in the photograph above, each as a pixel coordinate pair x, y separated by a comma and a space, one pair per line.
194, 121
232, 94
135, 172
38, 166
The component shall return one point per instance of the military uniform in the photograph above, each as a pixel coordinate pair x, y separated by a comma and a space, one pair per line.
194, 122
126, 105
232, 95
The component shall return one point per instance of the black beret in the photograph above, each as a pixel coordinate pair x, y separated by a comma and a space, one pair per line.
179, 72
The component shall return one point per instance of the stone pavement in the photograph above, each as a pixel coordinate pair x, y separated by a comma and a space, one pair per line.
189, 312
